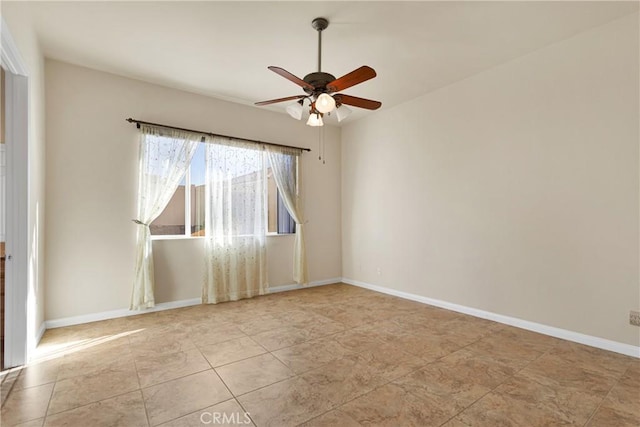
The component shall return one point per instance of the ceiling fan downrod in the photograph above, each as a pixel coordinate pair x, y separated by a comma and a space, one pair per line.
320, 24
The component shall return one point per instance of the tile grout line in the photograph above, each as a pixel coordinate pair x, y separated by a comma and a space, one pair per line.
422, 367
409, 373
13, 381
55, 382
229, 390
187, 375
193, 412
46, 412
247, 413
502, 382
595, 411
333, 408
271, 352
284, 379
90, 403
144, 403
44, 417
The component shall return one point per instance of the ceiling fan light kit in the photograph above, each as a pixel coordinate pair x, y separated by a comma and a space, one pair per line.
295, 109
320, 86
342, 112
315, 119
325, 103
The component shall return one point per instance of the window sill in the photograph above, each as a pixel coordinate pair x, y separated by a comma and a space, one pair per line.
169, 237
174, 237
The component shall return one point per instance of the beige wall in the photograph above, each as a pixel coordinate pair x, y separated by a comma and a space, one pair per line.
91, 182
26, 40
514, 191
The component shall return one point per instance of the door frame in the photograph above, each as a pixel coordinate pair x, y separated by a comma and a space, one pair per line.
16, 110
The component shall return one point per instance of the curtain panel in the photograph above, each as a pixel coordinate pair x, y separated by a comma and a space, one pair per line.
284, 167
235, 223
164, 156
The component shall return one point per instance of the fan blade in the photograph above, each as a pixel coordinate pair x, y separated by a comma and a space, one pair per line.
287, 75
358, 102
275, 101
355, 77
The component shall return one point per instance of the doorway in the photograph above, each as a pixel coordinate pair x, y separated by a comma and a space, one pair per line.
3, 211
14, 206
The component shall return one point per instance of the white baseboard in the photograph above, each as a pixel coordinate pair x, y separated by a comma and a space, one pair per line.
36, 340
124, 312
113, 314
285, 288
605, 344
40, 332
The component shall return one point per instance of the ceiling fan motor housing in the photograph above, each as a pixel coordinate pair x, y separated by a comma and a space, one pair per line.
319, 81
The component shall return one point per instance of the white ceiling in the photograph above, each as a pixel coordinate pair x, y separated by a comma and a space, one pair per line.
222, 49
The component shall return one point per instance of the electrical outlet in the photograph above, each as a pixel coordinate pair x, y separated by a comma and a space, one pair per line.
634, 318
379, 271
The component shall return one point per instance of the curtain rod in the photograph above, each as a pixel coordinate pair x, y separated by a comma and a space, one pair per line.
140, 122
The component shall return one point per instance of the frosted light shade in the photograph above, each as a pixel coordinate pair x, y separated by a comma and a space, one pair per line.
325, 103
342, 112
315, 120
295, 110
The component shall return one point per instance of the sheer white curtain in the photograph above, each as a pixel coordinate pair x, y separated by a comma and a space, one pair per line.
284, 164
235, 221
164, 156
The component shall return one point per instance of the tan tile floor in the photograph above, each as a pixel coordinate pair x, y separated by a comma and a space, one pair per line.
327, 356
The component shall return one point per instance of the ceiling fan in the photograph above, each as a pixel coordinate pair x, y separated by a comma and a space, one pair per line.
321, 88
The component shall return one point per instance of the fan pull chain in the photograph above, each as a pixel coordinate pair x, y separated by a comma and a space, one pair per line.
321, 145
324, 146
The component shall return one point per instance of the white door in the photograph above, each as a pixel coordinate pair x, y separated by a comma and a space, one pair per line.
3, 213
15, 111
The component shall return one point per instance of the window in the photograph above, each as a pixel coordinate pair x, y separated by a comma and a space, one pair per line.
184, 214
278, 219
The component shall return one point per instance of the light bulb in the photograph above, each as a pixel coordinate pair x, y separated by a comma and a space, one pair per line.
325, 103
315, 120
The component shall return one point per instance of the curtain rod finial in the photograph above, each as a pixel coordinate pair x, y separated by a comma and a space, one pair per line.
130, 120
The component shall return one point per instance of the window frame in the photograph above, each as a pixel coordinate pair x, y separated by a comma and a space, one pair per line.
187, 210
